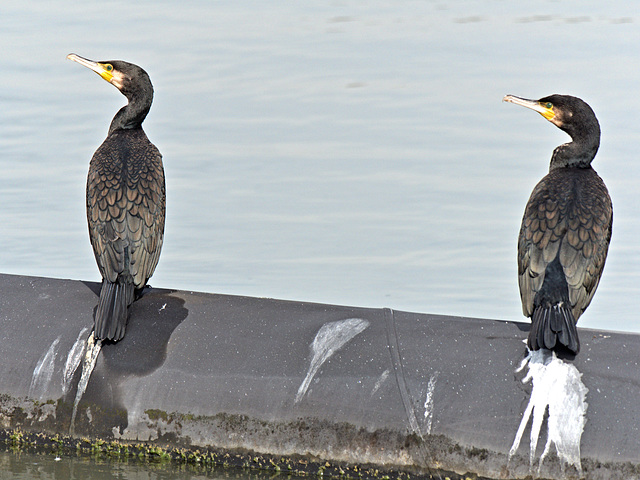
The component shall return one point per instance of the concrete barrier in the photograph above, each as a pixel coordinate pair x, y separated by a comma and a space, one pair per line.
405, 392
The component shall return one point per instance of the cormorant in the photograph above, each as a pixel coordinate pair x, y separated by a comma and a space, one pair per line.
566, 229
125, 199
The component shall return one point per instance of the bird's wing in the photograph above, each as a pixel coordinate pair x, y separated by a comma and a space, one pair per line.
126, 211
104, 212
584, 249
577, 228
146, 214
538, 243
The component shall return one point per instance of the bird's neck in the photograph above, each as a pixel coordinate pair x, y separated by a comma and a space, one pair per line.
133, 114
578, 154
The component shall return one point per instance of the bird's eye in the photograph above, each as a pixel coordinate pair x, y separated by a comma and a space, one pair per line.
548, 105
108, 67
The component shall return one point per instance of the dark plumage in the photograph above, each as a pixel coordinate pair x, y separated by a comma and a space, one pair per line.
125, 199
566, 229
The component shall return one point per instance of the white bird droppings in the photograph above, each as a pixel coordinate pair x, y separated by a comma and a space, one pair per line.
44, 371
557, 386
74, 357
330, 338
428, 402
380, 381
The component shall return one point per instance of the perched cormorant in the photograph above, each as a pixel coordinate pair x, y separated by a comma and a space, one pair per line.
565, 230
125, 199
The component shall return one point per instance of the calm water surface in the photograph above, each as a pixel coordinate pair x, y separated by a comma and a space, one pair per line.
333, 152
24, 466
340, 152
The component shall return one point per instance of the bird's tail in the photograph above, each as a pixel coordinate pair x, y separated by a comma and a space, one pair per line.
554, 328
113, 310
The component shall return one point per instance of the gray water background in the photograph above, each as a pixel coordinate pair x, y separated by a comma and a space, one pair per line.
26, 466
342, 152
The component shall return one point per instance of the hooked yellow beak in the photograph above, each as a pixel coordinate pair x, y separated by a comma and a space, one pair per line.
544, 109
105, 70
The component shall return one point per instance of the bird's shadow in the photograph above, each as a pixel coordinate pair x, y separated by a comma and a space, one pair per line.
152, 321
153, 317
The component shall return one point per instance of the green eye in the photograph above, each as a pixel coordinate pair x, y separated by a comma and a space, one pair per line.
548, 105
109, 67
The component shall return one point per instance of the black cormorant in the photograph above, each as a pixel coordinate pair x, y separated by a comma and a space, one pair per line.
565, 230
125, 199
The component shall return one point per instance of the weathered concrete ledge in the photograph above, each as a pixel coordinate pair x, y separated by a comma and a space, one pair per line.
398, 391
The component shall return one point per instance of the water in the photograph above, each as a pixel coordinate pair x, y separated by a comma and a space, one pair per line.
26, 466
339, 152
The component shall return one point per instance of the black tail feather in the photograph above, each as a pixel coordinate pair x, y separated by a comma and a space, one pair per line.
554, 328
112, 313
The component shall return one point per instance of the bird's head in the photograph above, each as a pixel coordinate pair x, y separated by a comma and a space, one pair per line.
125, 76
571, 114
